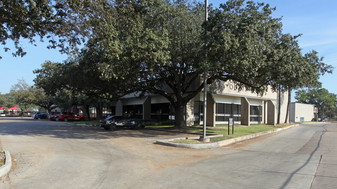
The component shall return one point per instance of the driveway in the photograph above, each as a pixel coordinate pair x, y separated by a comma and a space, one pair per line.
55, 155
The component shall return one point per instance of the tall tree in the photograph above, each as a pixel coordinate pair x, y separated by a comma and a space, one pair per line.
8, 101
22, 95
41, 99
294, 70
159, 46
239, 36
2, 99
70, 84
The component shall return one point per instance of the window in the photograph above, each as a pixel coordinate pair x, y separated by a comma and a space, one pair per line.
257, 119
228, 108
161, 111
256, 113
255, 110
163, 108
225, 111
220, 108
220, 118
135, 111
236, 109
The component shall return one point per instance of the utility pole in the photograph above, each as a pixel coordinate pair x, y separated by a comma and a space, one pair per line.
204, 138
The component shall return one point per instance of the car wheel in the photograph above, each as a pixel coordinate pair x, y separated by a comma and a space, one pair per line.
65, 119
111, 127
57, 119
139, 126
107, 128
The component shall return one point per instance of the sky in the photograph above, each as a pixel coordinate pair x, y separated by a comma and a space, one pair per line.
315, 20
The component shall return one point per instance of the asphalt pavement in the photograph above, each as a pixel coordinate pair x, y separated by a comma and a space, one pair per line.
56, 155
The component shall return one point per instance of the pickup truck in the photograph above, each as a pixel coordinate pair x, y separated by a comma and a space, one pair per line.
67, 116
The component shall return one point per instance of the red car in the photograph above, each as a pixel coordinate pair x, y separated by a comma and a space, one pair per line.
67, 116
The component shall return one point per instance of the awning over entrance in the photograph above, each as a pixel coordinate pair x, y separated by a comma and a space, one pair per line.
13, 108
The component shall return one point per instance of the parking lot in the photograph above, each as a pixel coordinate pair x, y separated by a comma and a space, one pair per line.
57, 155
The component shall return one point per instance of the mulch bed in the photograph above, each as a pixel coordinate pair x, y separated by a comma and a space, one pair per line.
2, 158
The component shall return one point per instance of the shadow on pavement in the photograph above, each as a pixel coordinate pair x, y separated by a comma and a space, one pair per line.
30, 127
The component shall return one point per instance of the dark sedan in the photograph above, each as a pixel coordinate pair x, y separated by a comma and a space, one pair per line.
40, 115
113, 122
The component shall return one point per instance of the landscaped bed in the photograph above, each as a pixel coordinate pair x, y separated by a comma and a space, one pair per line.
239, 130
2, 158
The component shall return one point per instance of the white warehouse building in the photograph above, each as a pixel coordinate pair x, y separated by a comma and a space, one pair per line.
300, 112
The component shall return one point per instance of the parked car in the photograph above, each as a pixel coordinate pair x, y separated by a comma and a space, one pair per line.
52, 115
112, 122
40, 115
66, 116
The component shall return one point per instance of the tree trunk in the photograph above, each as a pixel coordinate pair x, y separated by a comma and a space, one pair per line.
279, 106
179, 115
99, 113
86, 112
288, 105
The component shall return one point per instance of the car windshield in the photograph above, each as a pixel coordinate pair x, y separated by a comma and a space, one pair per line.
109, 117
114, 117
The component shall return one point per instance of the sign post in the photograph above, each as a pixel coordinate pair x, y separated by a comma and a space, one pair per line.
230, 123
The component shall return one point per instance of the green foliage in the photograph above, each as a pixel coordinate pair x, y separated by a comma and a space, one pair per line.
49, 77
325, 102
241, 38
159, 46
24, 19
2, 99
22, 95
41, 99
65, 24
7, 101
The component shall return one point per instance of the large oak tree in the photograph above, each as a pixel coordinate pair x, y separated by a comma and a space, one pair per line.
159, 46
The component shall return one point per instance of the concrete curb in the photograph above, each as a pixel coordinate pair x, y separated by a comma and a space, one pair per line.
169, 142
8, 164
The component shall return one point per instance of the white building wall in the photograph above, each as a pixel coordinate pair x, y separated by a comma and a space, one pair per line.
230, 88
299, 110
253, 102
134, 101
158, 100
226, 99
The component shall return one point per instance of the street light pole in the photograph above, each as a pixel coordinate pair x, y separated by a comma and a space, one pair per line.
204, 138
